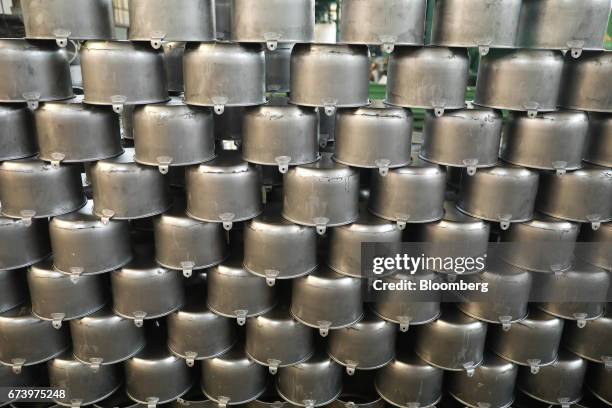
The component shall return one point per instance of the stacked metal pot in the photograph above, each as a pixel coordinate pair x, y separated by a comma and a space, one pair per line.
184, 226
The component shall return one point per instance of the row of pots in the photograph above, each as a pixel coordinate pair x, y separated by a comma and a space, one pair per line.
575, 25
233, 74
409, 373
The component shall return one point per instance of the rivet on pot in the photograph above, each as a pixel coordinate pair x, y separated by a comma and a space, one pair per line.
283, 163
309, 403
580, 320
504, 221
324, 326
75, 273
273, 365
564, 402
32, 99
560, 167
595, 220
107, 214
95, 364
404, 323
272, 40
470, 368
152, 402
75, 403
471, 166
607, 360
61, 37
506, 321
575, 48
227, 219
56, 159
351, 366
118, 101
383, 166
190, 358
164, 164
219, 104
57, 320
26, 217
388, 43
534, 365
187, 267
271, 276
139, 318
17, 365
157, 38
241, 316
483, 50
321, 224
223, 402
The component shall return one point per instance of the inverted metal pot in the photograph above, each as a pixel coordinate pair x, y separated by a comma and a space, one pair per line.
322, 194
31, 188
22, 243
544, 244
173, 134
520, 80
280, 136
582, 196
455, 235
278, 68
234, 292
124, 189
233, 378
27, 340
173, 54
491, 385
598, 148
399, 306
411, 194
367, 345
577, 294
84, 245
18, 138
482, 23
409, 381
345, 83
275, 339
380, 22
591, 341
586, 80
559, 383
532, 342
506, 298
312, 383
94, 338
459, 345
375, 136
598, 382
462, 138
503, 194
59, 298
595, 248
273, 21
122, 73
13, 288
327, 300
68, 19
549, 141
275, 248
143, 290
573, 25
428, 77
224, 74
70, 131
345, 243
154, 376
196, 333
186, 244
157, 20
35, 72
226, 190
83, 385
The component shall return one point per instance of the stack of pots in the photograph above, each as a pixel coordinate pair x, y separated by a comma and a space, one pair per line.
183, 212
